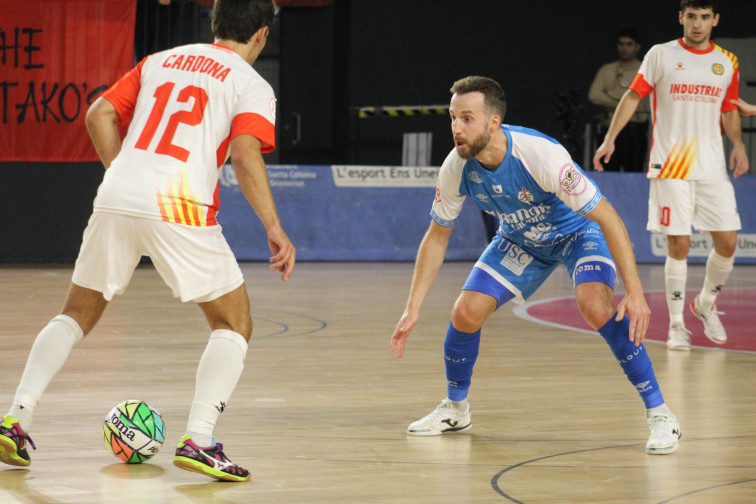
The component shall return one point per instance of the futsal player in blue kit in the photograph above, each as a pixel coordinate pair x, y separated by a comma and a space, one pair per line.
550, 212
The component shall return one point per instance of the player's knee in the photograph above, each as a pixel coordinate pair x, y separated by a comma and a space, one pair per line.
466, 319
596, 310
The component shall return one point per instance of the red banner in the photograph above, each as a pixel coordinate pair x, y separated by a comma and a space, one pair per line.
56, 58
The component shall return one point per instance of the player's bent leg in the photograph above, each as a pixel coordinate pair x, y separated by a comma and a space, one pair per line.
596, 300
461, 345
197, 451
230, 311
719, 266
85, 306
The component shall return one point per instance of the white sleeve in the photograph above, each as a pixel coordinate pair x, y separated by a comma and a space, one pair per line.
557, 173
447, 204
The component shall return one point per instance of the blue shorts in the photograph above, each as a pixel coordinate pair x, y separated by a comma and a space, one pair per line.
507, 270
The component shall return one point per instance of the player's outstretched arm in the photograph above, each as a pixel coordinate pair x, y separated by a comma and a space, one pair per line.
430, 257
634, 303
625, 110
102, 125
745, 108
252, 175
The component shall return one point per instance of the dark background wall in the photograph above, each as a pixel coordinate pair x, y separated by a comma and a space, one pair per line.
409, 52
385, 52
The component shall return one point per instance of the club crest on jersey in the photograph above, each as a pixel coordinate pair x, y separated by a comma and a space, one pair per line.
525, 196
571, 180
474, 177
717, 68
497, 189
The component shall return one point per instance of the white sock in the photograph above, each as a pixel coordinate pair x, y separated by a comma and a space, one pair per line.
659, 410
218, 372
675, 278
718, 269
460, 405
49, 351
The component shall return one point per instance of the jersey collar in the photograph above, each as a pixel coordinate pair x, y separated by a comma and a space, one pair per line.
697, 51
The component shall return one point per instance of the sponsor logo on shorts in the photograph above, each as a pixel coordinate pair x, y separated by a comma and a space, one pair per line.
590, 245
515, 258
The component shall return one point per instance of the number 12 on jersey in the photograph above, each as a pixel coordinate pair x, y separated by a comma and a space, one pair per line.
188, 117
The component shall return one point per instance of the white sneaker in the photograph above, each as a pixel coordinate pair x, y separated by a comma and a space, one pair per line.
678, 338
665, 435
445, 418
713, 328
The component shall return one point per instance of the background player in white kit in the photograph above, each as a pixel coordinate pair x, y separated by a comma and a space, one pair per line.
693, 82
189, 109
550, 213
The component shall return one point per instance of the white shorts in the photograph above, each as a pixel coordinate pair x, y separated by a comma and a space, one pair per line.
676, 205
195, 262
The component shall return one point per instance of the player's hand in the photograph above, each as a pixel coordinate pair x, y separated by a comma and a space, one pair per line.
637, 310
603, 153
284, 253
745, 109
738, 161
402, 332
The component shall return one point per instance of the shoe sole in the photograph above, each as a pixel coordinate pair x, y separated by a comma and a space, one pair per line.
438, 433
713, 340
684, 348
192, 465
9, 453
662, 451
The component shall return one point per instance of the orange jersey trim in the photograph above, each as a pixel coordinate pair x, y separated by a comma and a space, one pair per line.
257, 126
640, 86
178, 204
123, 94
680, 161
734, 88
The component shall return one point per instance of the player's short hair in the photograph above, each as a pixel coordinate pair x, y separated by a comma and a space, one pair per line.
630, 33
699, 4
494, 98
239, 20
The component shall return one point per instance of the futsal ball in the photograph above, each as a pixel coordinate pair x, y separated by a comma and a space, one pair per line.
134, 431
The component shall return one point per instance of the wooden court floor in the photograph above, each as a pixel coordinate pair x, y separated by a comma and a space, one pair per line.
320, 413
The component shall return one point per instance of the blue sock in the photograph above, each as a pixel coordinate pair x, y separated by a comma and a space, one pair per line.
460, 353
634, 361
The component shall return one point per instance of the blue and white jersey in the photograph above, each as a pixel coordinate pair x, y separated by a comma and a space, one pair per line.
538, 193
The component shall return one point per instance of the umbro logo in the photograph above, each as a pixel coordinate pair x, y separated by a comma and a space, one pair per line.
642, 387
450, 422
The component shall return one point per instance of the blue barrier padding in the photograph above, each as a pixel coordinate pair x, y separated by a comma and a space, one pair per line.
327, 222
330, 223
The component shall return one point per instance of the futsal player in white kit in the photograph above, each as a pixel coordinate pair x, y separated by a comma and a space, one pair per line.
693, 83
550, 213
188, 110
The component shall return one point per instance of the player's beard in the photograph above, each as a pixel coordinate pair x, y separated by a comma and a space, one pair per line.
477, 145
